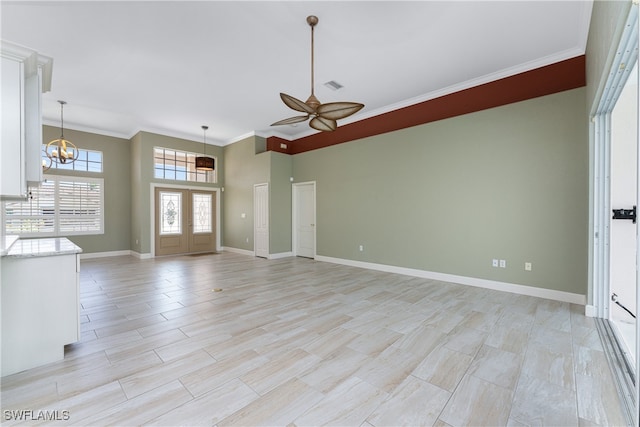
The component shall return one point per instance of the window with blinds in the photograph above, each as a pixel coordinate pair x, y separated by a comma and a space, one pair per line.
60, 206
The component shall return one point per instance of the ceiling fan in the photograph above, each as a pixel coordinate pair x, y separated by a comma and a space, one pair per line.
324, 115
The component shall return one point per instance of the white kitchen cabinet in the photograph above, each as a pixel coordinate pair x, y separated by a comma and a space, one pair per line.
25, 76
13, 178
40, 301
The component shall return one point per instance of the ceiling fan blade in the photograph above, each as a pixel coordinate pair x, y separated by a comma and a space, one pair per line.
323, 124
295, 104
338, 110
291, 120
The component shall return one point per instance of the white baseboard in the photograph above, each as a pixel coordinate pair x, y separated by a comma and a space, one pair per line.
238, 251
280, 255
463, 280
590, 311
141, 256
104, 254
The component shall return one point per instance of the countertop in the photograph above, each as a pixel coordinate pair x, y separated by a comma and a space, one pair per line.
25, 248
5, 243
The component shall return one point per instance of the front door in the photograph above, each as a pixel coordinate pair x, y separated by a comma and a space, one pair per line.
185, 221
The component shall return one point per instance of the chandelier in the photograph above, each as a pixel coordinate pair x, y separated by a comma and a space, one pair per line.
61, 150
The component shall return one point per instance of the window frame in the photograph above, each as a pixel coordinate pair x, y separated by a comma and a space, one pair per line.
170, 166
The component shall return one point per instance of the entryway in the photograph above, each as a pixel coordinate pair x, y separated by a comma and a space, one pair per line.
185, 221
614, 242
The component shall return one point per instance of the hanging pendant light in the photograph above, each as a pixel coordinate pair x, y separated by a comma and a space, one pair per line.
204, 163
61, 150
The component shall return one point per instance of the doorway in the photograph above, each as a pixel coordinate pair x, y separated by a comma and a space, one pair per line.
185, 221
613, 243
624, 191
304, 219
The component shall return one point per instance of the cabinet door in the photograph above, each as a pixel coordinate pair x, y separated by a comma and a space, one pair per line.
33, 127
12, 157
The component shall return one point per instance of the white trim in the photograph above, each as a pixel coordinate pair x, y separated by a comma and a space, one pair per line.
463, 280
590, 311
105, 254
141, 256
238, 251
255, 216
280, 255
600, 130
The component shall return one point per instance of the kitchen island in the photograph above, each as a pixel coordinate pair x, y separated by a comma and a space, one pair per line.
40, 301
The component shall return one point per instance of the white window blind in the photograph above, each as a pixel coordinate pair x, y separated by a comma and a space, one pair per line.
60, 206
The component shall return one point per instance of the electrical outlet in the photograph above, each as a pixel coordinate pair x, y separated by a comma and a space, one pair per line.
494, 263
361, 248
527, 266
503, 263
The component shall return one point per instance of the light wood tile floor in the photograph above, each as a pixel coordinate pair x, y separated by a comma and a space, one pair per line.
300, 342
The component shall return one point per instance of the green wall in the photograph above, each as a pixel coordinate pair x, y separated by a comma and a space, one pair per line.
248, 164
117, 189
450, 196
243, 169
142, 174
280, 203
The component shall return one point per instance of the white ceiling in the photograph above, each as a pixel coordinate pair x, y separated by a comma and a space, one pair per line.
170, 67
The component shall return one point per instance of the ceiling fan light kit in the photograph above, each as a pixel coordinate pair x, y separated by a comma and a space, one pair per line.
323, 116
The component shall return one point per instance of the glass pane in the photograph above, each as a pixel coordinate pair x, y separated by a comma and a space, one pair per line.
170, 156
94, 156
170, 213
80, 165
65, 166
202, 213
82, 155
94, 167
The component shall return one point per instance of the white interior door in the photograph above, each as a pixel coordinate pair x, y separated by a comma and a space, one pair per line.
304, 197
261, 219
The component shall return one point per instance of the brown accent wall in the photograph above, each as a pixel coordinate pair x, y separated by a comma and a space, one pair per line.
554, 78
